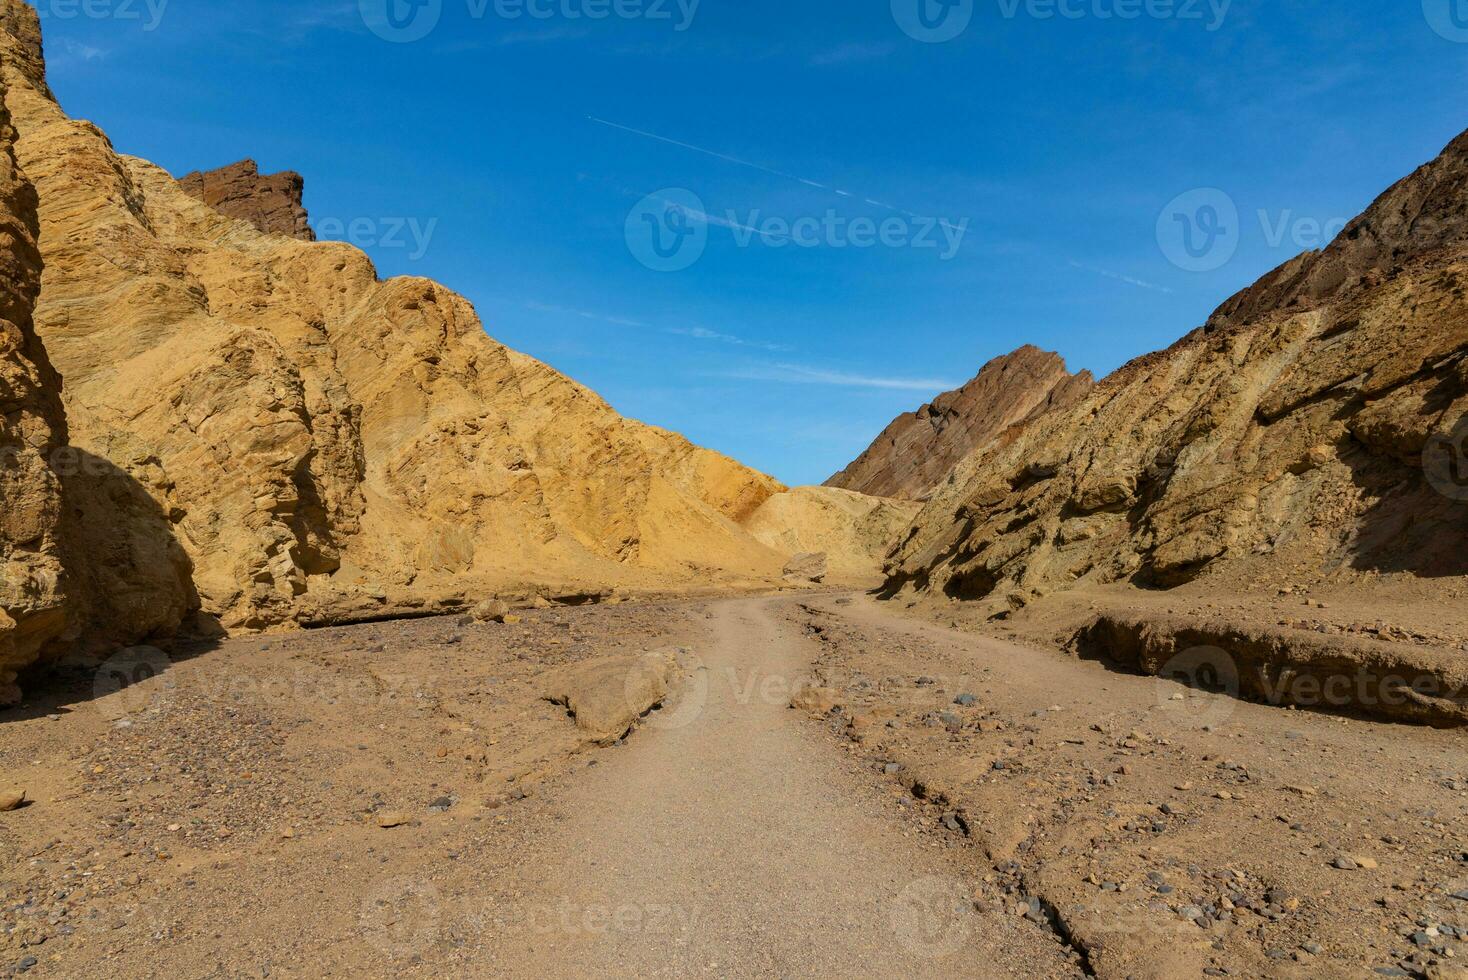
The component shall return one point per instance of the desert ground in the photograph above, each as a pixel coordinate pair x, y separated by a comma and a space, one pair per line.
832, 786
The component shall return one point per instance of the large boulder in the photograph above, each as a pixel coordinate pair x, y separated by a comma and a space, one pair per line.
809, 567
608, 694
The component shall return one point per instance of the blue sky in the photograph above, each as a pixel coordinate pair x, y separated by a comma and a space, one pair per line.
878, 215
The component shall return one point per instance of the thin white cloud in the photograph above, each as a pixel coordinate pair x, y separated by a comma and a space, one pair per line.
326, 14
697, 333
798, 374
703, 333
848, 53
699, 149
546, 35
1120, 277
583, 314
712, 219
82, 52
345, 16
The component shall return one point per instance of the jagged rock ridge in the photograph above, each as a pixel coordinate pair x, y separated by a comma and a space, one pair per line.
1285, 438
919, 449
270, 202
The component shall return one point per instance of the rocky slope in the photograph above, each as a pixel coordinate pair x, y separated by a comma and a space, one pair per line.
277, 436
270, 202
1309, 432
32, 430
919, 449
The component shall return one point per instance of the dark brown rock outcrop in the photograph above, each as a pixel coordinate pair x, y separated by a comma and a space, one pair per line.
270, 202
919, 449
1416, 214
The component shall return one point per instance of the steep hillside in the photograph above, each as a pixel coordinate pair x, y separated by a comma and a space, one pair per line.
321, 444
919, 449
1308, 433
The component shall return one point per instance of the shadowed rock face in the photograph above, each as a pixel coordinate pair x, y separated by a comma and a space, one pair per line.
1316, 424
919, 449
87, 558
33, 599
270, 202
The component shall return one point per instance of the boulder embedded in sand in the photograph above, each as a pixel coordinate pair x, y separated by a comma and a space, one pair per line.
607, 695
855, 531
809, 567
491, 611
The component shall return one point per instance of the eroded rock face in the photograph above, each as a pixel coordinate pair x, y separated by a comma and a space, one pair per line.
1390, 681
919, 449
1286, 437
270, 202
277, 436
33, 601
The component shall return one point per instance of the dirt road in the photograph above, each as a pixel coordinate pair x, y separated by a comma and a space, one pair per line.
730, 839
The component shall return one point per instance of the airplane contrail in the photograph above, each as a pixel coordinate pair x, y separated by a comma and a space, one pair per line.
713, 153
755, 166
